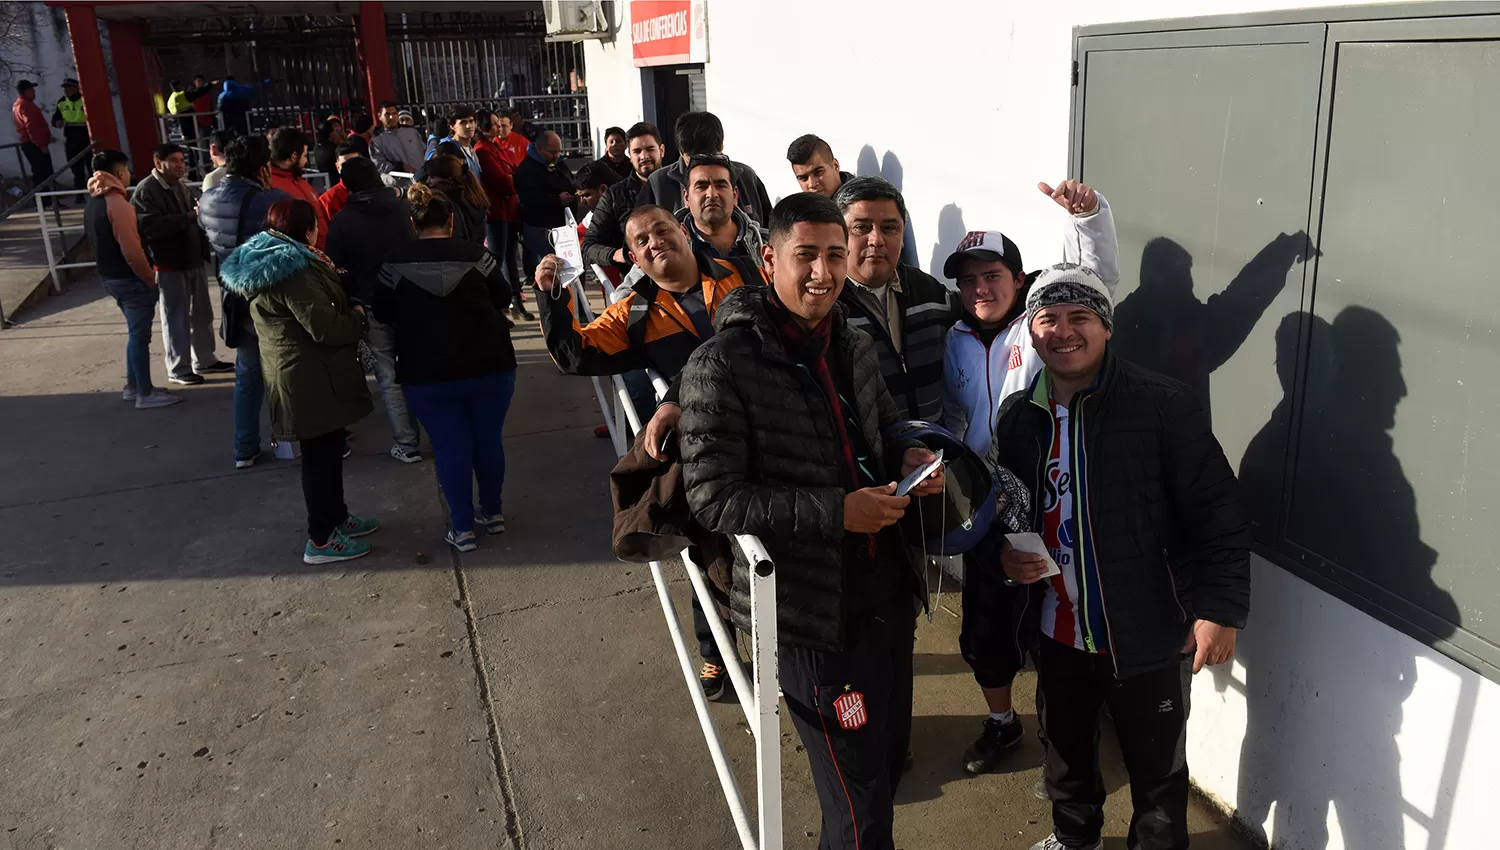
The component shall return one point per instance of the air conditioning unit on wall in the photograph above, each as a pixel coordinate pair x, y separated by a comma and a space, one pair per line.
575, 20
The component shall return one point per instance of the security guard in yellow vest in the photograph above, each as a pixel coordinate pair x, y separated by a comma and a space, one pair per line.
70, 116
180, 103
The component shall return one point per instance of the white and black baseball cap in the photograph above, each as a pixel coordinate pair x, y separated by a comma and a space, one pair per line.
987, 245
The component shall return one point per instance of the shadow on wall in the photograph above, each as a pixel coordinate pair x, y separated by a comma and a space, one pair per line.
1352, 505
889, 169
951, 230
1163, 326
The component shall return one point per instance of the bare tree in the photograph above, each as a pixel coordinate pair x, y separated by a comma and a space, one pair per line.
18, 35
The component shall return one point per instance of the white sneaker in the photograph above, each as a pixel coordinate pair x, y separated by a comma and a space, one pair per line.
128, 394
1051, 843
160, 398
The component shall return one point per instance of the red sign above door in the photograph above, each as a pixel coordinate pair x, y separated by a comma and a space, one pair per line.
668, 32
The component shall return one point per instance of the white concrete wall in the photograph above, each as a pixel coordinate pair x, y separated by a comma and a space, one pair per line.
614, 83
1333, 731
43, 55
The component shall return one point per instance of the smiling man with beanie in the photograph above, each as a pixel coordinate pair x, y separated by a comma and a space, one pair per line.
988, 357
1140, 512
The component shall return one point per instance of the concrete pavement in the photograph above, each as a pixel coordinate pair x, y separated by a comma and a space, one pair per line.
176, 678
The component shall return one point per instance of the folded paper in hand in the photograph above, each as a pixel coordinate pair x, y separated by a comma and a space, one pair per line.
569, 253
1031, 543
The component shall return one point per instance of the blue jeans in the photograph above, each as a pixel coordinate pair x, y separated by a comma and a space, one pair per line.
137, 300
465, 420
249, 395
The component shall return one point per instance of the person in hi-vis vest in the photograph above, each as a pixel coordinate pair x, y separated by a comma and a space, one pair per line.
70, 117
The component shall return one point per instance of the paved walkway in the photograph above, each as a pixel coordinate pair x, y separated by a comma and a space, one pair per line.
176, 678
23, 256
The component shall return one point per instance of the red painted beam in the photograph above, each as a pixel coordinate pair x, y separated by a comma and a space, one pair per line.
93, 81
375, 52
129, 53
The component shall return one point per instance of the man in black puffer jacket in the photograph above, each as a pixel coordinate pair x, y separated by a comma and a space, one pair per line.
783, 412
1137, 506
374, 221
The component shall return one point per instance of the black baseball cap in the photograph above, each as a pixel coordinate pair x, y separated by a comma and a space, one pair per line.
24, 85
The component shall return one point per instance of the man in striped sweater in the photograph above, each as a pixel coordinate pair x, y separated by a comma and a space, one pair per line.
905, 310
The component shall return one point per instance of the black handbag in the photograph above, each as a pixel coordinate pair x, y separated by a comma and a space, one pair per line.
234, 310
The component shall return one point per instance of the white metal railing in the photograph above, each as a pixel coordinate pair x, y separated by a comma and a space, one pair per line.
57, 253
759, 692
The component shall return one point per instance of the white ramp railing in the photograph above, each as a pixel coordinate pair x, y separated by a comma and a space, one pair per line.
758, 692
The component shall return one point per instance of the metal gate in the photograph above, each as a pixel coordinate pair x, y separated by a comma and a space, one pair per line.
493, 60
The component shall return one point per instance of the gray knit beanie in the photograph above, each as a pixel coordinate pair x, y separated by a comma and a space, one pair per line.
1070, 283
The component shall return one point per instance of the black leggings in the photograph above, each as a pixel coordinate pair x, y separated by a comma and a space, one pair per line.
323, 484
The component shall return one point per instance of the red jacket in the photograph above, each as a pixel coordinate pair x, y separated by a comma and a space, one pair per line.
515, 146
497, 175
31, 125
298, 187
334, 199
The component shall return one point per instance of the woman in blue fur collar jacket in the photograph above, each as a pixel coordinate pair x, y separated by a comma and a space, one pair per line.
315, 386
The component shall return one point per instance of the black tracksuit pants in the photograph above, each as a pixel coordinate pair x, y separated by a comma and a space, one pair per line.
852, 710
1150, 712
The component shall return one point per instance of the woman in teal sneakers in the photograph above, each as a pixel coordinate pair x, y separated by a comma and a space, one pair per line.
315, 386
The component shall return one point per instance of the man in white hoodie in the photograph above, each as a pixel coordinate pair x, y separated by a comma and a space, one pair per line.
988, 357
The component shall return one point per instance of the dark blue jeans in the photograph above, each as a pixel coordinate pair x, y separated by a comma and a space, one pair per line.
502, 243
137, 301
535, 244
249, 394
465, 420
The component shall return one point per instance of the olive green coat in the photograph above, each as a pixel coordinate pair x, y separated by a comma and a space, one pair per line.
308, 336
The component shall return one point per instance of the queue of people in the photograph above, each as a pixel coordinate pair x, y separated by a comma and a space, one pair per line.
416, 280
812, 365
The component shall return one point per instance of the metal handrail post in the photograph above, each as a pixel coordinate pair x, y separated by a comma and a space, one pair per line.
41, 216
767, 723
728, 648
700, 705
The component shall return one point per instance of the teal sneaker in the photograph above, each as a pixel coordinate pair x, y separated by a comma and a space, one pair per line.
356, 526
338, 548
493, 524
462, 541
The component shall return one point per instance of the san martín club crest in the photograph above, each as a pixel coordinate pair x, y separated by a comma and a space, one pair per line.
850, 708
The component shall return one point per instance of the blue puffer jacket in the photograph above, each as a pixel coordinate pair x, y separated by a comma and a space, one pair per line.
219, 212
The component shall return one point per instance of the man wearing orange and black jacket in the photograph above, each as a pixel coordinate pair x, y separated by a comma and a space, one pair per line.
658, 326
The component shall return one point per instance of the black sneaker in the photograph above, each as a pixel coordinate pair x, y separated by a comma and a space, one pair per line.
189, 380
994, 742
217, 368
713, 678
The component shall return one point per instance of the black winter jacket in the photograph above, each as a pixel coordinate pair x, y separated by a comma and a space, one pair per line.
760, 455
445, 298
607, 227
170, 232
539, 188
363, 233
1171, 537
928, 310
